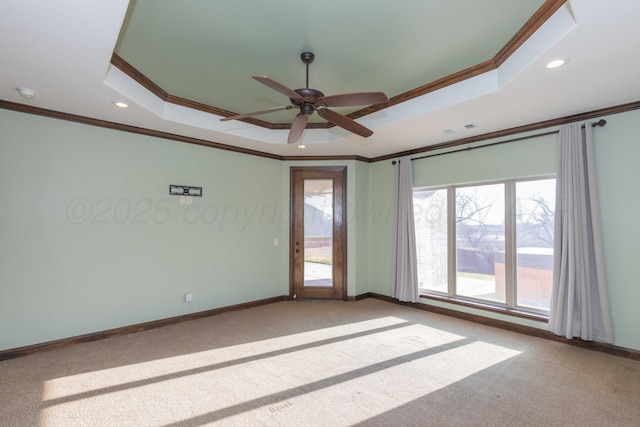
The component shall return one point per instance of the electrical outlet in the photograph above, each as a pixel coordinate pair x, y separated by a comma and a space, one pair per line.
188, 297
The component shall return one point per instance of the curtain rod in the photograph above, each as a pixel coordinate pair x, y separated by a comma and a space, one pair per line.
600, 122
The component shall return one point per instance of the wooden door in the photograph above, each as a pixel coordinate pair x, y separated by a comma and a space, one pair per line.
318, 242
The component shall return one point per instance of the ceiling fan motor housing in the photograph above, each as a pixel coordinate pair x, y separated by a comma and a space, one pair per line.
306, 93
306, 107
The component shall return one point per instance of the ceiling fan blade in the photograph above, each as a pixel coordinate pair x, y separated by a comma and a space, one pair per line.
352, 99
344, 122
279, 87
297, 127
256, 113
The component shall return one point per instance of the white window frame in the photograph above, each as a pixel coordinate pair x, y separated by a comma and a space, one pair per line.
510, 246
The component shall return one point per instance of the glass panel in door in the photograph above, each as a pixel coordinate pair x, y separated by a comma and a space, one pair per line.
318, 233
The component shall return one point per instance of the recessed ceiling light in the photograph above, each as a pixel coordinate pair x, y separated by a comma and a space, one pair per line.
26, 93
302, 145
121, 104
555, 63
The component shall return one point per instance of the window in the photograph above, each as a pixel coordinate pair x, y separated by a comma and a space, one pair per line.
480, 235
489, 242
430, 213
535, 204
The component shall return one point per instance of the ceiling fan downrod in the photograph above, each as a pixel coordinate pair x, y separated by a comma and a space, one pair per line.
308, 95
307, 58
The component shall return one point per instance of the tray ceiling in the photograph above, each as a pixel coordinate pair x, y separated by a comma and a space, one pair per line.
444, 65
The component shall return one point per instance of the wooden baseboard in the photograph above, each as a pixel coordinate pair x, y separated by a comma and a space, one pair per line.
110, 333
362, 296
528, 330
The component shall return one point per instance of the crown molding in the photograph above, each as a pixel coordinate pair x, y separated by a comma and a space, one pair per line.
546, 124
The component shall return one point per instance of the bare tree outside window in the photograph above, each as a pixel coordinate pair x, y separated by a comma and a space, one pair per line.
470, 217
479, 235
535, 211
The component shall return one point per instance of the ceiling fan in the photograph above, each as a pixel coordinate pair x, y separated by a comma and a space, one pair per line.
309, 100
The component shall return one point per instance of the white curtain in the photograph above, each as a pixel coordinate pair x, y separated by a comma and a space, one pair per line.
580, 300
405, 271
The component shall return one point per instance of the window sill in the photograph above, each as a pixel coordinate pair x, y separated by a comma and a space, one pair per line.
488, 307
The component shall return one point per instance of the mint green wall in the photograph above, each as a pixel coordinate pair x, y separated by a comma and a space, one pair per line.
380, 214
617, 160
91, 240
528, 157
618, 156
361, 224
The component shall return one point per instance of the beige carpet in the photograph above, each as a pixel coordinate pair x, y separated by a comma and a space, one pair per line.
321, 363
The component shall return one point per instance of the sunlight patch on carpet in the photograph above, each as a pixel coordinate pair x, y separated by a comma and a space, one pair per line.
374, 365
